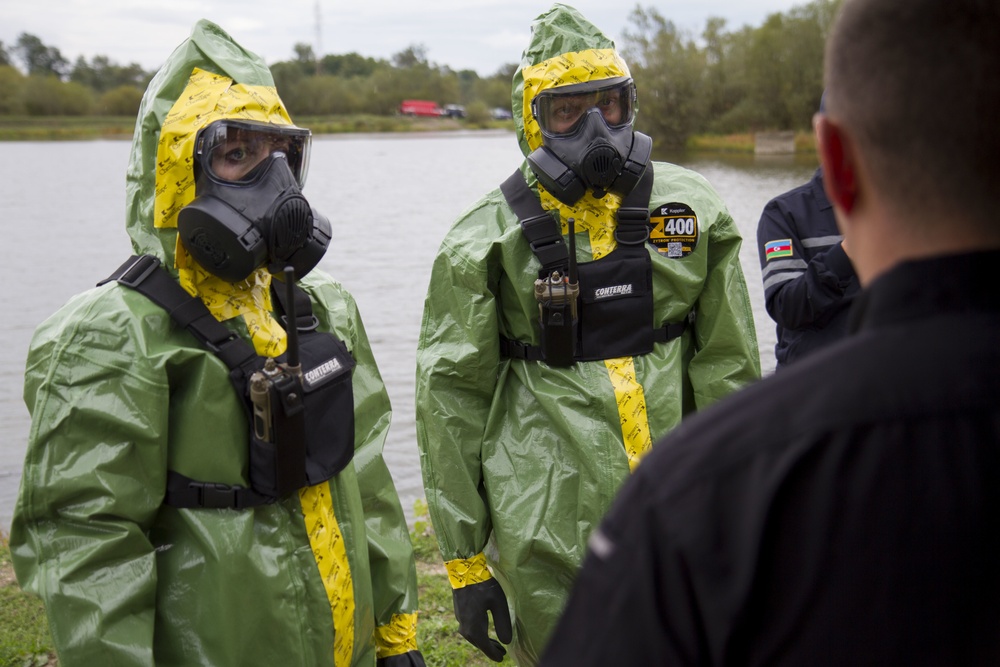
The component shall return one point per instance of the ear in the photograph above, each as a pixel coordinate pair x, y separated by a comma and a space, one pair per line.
839, 162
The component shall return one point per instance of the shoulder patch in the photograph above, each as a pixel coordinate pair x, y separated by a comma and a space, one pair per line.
775, 249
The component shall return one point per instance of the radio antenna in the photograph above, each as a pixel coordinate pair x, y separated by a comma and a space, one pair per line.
292, 322
319, 39
571, 223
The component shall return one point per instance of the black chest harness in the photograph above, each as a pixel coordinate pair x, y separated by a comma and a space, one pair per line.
612, 316
301, 424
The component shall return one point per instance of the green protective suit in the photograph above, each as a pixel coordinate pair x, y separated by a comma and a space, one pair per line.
119, 395
520, 460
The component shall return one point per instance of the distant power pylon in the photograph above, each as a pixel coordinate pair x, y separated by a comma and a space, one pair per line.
319, 38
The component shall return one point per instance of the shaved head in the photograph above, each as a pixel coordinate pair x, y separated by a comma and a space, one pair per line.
917, 83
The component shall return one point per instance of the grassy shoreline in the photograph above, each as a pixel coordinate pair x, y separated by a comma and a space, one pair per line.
24, 128
44, 128
25, 640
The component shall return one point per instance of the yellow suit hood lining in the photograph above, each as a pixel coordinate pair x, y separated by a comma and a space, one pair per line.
206, 98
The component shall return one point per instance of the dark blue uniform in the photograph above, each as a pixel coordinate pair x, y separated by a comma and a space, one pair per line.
809, 282
852, 521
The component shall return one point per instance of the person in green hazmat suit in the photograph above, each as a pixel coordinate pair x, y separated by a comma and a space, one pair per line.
157, 525
542, 380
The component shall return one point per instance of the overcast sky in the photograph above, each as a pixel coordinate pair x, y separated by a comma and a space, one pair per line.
482, 35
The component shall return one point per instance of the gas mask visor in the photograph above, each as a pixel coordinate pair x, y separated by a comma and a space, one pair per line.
559, 111
587, 140
228, 150
249, 210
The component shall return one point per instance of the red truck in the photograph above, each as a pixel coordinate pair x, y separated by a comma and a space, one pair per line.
419, 108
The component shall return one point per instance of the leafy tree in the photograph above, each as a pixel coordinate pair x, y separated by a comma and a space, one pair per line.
477, 113
120, 101
39, 59
412, 56
728, 81
101, 74
288, 75
304, 53
506, 72
494, 91
326, 95
48, 96
768, 77
468, 85
725, 83
349, 65
12, 85
669, 72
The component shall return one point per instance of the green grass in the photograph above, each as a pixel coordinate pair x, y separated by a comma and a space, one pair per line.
743, 142
24, 630
25, 639
30, 128
437, 629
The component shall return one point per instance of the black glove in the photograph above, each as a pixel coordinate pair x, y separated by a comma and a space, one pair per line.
471, 604
408, 659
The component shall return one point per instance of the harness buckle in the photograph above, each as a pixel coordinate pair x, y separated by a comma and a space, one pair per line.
310, 323
218, 496
633, 226
141, 266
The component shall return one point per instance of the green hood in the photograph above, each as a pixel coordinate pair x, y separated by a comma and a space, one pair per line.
208, 48
560, 31
207, 78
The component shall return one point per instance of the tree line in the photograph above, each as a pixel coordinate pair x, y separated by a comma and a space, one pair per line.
720, 81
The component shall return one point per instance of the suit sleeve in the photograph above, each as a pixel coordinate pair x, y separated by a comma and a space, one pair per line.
726, 356
457, 364
93, 480
393, 572
800, 293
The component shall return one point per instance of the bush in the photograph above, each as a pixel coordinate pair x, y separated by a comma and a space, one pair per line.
120, 101
11, 83
48, 96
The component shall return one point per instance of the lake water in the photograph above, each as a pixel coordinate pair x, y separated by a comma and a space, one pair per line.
390, 199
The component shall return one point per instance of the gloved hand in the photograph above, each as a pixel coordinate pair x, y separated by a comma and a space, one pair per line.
408, 659
471, 604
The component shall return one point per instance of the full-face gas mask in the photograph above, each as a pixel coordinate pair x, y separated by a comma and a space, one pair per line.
587, 139
249, 210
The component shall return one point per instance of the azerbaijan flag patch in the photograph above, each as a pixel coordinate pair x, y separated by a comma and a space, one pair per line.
774, 249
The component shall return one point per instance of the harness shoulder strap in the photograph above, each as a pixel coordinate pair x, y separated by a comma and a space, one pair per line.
538, 225
144, 274
545, 239
304, 318
633, 214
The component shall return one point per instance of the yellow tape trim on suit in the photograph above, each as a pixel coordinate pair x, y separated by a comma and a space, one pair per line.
631, 409
328, 548
595, 216
464, 572
397, 637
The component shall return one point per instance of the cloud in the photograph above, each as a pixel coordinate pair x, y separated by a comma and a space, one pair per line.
482, 35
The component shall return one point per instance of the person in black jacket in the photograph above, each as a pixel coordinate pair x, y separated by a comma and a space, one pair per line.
809, 281
845, 511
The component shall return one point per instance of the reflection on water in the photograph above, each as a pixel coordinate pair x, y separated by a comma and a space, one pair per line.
390, 199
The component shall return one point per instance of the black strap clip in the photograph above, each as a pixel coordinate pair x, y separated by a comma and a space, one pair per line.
135, 270
188, 493
633, 226
544, 239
